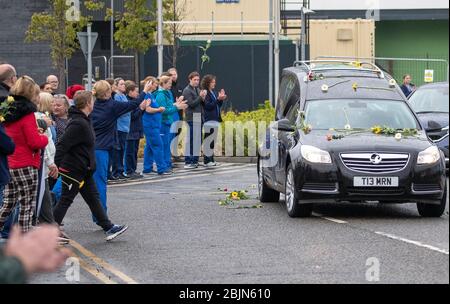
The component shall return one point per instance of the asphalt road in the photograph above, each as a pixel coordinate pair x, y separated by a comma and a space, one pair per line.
179, 234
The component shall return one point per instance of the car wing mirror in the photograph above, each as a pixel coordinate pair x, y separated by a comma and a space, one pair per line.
284, 125
433, 126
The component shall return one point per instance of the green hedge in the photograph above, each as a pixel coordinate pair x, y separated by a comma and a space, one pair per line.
264, 113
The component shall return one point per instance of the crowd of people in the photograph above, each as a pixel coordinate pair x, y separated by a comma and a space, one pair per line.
54, 146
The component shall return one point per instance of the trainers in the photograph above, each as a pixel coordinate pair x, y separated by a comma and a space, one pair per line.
134, 175
115, 231
168, 172
190, 166
210, 165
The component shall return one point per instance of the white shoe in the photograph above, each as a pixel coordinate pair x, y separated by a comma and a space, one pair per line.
210, 165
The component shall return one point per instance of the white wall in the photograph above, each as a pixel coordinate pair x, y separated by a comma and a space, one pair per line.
372, 4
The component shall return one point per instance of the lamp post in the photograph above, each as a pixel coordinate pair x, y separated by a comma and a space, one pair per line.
304, 12
160, 38
111, 67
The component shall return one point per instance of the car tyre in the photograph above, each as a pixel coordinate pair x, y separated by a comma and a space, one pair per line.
295, 209
266, 194
426, 210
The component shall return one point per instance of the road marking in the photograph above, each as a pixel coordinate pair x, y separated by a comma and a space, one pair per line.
95, 272
337, 221
102, 263
417, 243
158, 180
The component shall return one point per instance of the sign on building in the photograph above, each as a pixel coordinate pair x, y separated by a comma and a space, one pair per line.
429, 76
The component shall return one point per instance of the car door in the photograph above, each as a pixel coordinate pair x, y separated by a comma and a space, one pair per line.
285, 139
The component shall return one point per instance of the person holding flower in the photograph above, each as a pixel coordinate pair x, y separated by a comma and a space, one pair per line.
24, 163
75, 157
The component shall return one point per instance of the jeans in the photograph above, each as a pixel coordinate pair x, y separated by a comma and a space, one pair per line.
153, 150
166, 137
70, 190
193, 143
131, 155
119, 154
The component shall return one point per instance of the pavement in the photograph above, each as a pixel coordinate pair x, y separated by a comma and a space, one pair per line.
180, 234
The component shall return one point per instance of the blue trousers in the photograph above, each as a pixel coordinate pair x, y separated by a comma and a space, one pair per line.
153, 152
101, 175
119, 154
166, 137
131, 155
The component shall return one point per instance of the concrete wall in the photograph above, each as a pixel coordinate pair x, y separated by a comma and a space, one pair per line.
29, 59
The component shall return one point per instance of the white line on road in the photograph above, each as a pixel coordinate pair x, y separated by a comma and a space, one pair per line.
164, 179
417, 243
330, 219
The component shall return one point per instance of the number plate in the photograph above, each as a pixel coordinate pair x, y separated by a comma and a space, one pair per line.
375, 181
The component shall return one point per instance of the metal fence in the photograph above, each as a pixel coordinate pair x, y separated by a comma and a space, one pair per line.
416, 67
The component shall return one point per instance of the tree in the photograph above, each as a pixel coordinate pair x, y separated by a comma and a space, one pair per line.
174, 10
59, 27
136, 29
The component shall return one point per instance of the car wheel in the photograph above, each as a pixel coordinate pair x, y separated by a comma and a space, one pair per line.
295, 209
427, 210
266, 195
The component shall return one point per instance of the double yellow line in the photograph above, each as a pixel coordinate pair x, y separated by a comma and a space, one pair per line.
97, 267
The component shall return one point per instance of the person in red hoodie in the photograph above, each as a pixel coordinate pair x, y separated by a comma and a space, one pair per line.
21, 126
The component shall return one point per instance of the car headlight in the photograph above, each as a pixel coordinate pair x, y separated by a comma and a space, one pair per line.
429, 156
315, 155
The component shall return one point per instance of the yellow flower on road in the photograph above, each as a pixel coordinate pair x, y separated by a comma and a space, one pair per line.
235, 195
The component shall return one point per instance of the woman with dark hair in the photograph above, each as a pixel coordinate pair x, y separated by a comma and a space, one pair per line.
211, 108
75, 157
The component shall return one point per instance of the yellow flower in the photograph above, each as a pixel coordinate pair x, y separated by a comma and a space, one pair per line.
2, 119
355, 86
377, 129
81, 184
235, 195
10, 99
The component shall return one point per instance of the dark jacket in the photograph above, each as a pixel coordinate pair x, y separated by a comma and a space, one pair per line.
136, 127
212, 107
4, 90
177, 91
76, 149
6, 148
194, 102
12, 270
406, 91
104, 119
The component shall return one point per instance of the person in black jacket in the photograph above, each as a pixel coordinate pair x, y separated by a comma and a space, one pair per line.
212, 111
135, 134
75, 157
194, 118
6, 148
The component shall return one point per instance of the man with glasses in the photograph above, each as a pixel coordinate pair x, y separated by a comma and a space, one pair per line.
54, 82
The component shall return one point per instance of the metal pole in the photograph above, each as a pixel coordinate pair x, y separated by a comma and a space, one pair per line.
212, 24
277, 49
160, 38
303, 40
89, 63
242, 24
271, 52
297, 50
111, 67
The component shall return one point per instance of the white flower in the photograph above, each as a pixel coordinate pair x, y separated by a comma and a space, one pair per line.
209, 41
348, 127
398, 136
392, 83
324, 88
